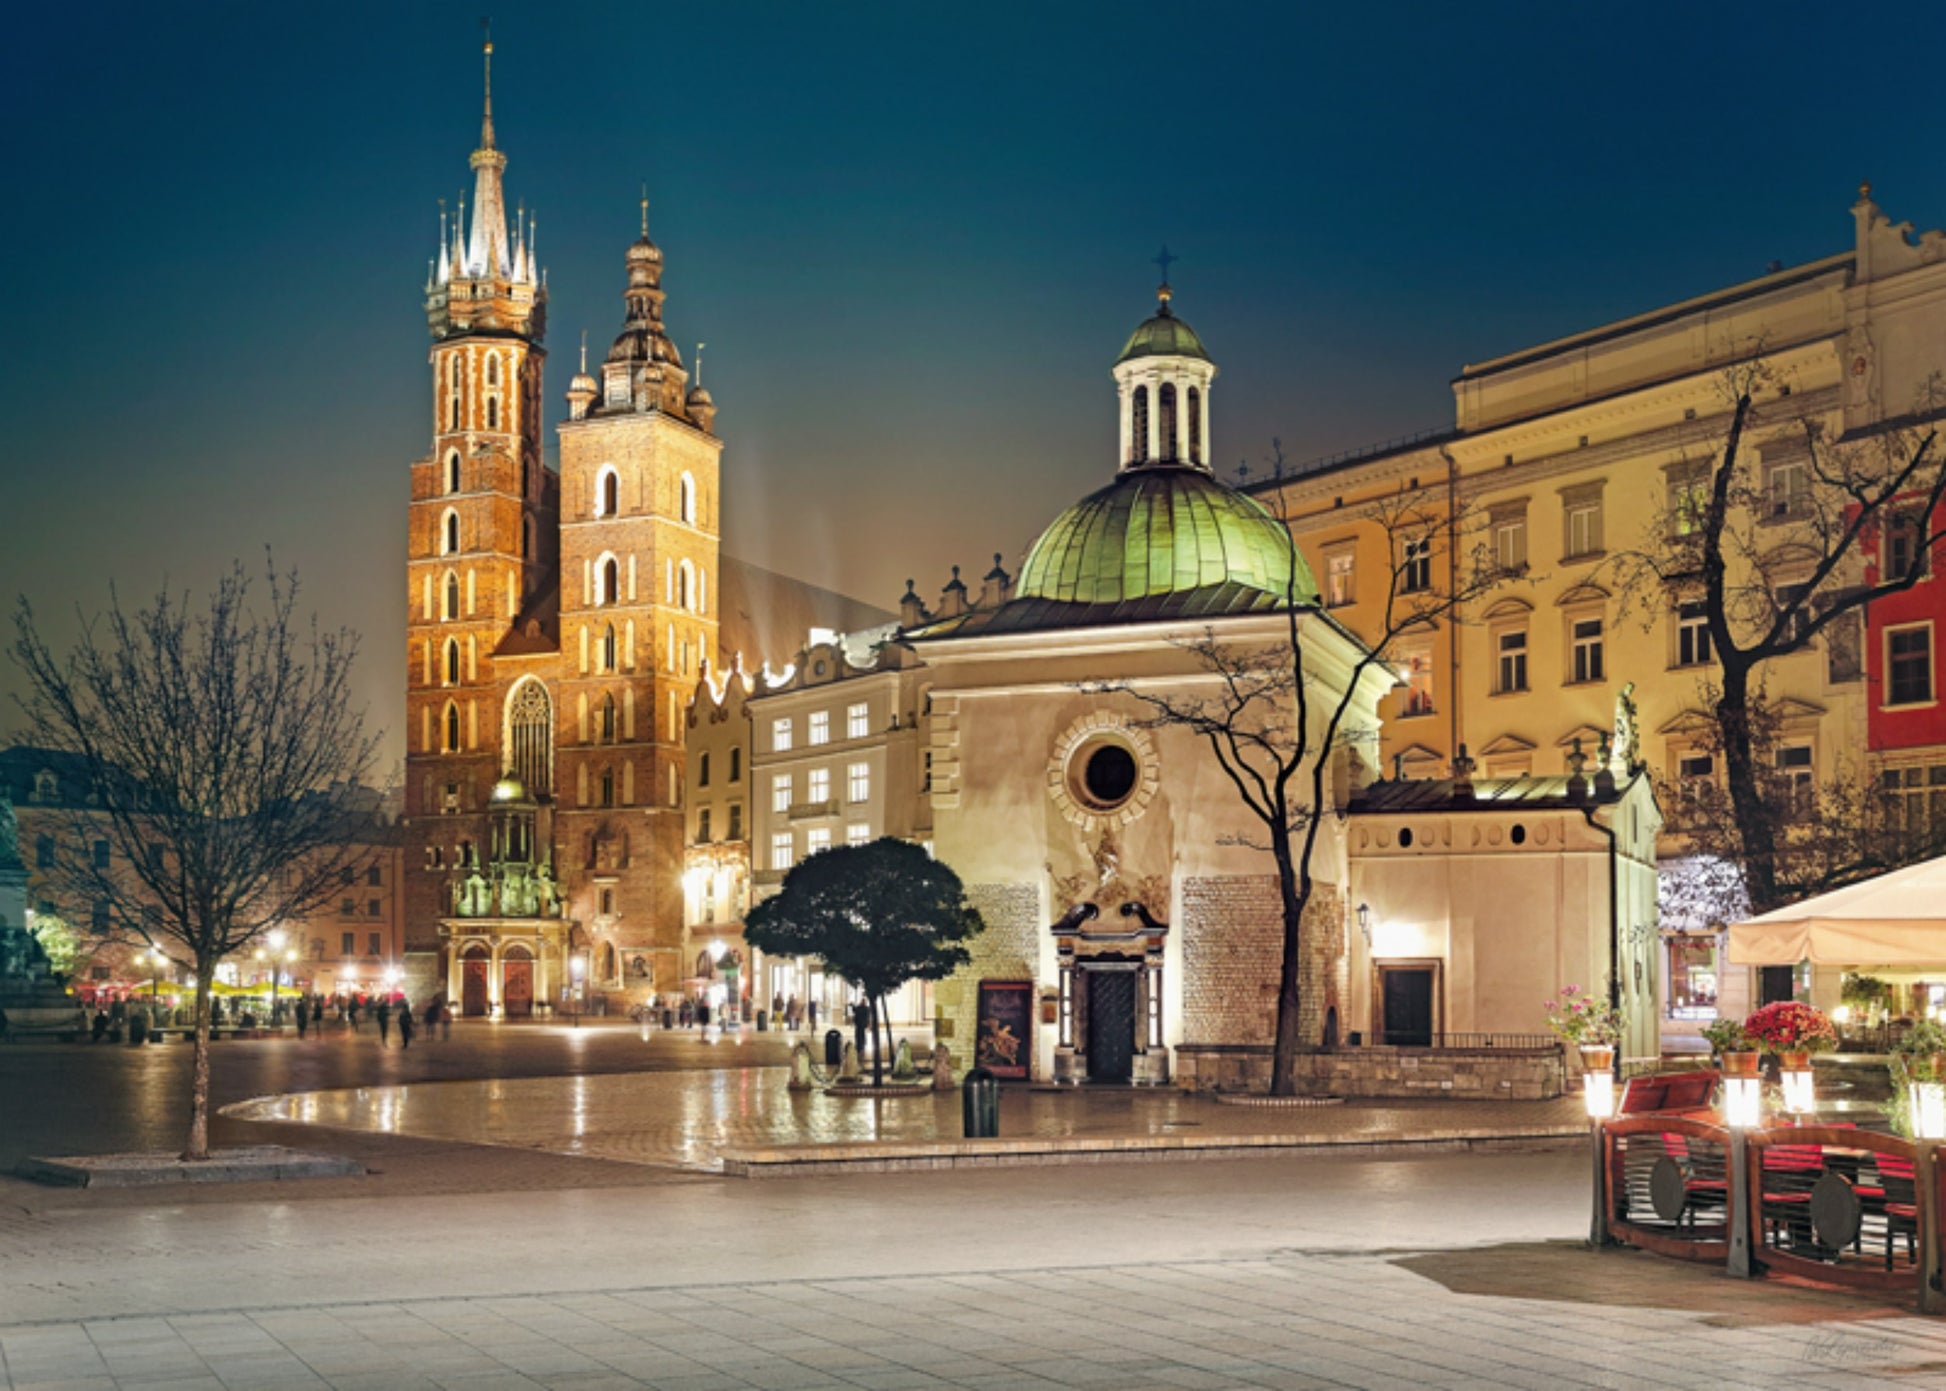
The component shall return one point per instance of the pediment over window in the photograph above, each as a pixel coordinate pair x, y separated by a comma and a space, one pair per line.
1507, 744
1685, 722
1508, 608
1589, 736
1583, 594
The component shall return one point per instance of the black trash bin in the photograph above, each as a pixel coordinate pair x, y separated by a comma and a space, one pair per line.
138, 1028
668, 1019
834, 1048
980, 1104
763, 1022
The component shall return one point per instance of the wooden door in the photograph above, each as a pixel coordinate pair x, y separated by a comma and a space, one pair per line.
1111, 1026
473, 987
517, 987
1408, 1005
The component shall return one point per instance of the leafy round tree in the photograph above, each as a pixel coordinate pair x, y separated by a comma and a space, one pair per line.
878, 914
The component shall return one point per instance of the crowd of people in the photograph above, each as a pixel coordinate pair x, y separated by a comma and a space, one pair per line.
311, 1014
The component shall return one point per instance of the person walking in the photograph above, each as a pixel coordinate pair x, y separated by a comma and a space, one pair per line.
813, 1007
351, 1013
384, 1015
303, 1019
429, 1016
317, 1015
405, 1024
446, 1021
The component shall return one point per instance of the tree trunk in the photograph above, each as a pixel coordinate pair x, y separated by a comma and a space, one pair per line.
198, 1147
1754, 828
878, 1051
1283, 1061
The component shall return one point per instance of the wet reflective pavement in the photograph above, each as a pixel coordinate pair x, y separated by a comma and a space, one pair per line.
685, 1119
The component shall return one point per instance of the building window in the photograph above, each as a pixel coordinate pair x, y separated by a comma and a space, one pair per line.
780, 735
348, 908
1902, 547
1415, 567
608, 652
858, 780
449, 534
686, 500
818, 785
1340, 578
925, 774
1692, 977
702, 769
608, 589
1689, 495
781, 850
608, 718
1695, 772
609, 503
373, 876
1138, 434
530, 732
1916, 800
780, 793
1787, 488
1585, 637
608, 787
43, 852
452, 661
1165, 409
452, 472
1512, 669
819, 731
702, 826
683, 587
1908, 660
375, 907
857, 721
858, 833
452, 727
605, 903
1798, 773
816, 839
375, 944
348, 944
1581, 520
1195, 426
452, 595
1692, 634
736, 765
1794, 599
101, 854
1509, 526
736, 821
1415, 664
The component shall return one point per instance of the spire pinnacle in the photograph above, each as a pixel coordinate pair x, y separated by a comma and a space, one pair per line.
486, 122
645, 208
584, 349
699, 362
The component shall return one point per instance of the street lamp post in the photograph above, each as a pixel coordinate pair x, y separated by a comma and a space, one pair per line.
578, 969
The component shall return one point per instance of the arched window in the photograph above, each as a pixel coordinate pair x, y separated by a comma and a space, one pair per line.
610, 589
1165, 404
608, 648
530, 736
452, 372
493, 369
455, 415
452, 472
527, 538
452, 727
608, 787
683, 572
686, 500
452, 661
1138, 434
608, 719
608, 493
493, 412
736, 764
452, 594
526, 477
702, 770
1195, 425
449, 533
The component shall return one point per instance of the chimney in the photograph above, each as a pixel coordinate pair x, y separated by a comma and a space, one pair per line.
952, 599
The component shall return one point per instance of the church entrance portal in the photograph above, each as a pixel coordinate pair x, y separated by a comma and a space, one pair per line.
1111, 1025
517, 986
473, 982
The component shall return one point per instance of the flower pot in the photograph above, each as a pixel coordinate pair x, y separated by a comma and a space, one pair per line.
1597, 1057
1794, 1060
1741, 1064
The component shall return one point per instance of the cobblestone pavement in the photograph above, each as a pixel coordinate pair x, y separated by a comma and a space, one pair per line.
685, 1119
1281, 1322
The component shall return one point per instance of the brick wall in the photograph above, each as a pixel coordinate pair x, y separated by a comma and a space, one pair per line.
1452, 1073
1009, 949
1233, 943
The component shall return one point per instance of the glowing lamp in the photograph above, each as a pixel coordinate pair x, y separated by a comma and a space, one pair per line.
1841, 1015
1743, 1102
1799, 1094
1599, 1094
1928, 1110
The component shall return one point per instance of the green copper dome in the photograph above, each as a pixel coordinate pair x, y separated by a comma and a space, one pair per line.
1166, 530
1163, 335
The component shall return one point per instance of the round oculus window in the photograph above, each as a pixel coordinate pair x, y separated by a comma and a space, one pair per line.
1107, 776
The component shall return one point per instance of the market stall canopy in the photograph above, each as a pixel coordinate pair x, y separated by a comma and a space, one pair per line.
1896, 919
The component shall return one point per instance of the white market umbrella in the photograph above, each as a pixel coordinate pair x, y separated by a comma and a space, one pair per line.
1895, 919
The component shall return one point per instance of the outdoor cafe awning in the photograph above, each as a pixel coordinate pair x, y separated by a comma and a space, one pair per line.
1895, 919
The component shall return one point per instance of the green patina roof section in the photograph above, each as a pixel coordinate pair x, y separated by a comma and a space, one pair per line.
1163, 530
1164, 335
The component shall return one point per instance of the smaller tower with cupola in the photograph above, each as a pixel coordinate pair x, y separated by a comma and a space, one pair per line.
1164, 377
639, 535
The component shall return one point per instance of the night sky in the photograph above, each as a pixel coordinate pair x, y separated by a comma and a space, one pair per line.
914, 237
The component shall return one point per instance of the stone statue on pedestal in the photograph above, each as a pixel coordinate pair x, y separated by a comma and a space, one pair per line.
33, 1000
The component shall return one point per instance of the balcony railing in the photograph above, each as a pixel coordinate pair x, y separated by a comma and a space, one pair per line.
1440, 1039
803, 811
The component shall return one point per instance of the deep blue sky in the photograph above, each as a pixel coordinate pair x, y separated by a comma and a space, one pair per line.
914, 237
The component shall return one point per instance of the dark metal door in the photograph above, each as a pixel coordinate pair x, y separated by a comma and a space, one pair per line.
1111, 1026
1408, 1006
1775, 983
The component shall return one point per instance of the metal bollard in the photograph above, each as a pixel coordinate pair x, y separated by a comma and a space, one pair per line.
980, 1104
834, 1048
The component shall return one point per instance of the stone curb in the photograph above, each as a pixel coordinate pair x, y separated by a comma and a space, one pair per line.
256, 1164
793, 1161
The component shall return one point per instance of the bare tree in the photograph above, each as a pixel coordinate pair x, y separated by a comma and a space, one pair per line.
1772, 564
1276, 735
221, 756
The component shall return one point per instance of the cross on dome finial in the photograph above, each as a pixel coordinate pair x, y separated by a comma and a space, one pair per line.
1164, 259
584, 349
645, 207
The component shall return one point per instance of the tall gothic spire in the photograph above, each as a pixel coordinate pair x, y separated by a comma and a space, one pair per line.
486, 250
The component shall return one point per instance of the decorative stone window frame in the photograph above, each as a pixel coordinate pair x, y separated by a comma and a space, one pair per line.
1583, 497
1071, 749
1507, 535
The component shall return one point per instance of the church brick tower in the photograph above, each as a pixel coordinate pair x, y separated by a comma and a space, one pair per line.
556, 623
